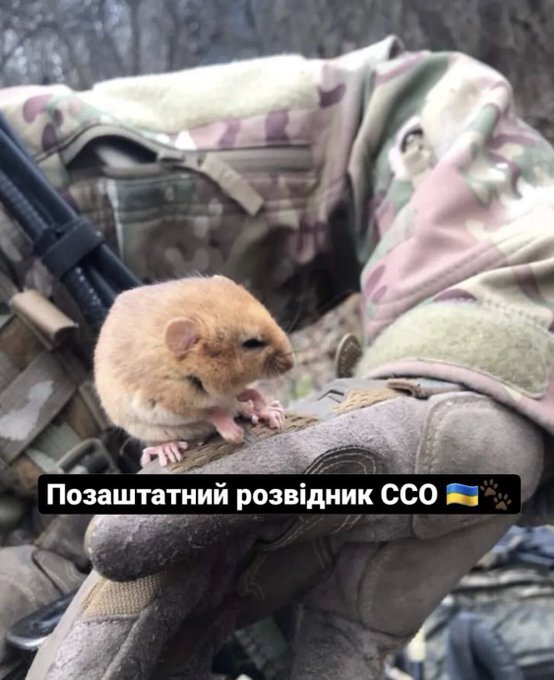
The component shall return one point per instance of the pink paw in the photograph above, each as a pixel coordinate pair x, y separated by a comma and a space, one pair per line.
230, 431
273, 414
169, 452
248, 411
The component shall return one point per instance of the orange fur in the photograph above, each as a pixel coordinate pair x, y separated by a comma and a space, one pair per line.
141, 362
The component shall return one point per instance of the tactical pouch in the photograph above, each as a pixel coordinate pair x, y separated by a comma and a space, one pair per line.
50, 420
239, 169
171, 212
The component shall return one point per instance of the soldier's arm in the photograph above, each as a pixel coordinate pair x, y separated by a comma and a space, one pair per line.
460, 284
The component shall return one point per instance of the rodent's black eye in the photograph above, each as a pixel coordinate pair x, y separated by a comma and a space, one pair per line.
253, 343
196, 382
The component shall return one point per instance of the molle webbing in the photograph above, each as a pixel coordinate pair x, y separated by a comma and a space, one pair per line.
47, 405
216, 448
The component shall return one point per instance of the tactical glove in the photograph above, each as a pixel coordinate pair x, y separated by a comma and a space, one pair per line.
168, 590
36, 574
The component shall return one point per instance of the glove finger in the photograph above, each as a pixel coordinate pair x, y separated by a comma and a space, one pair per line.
328, 647
125, 547
116, 631
122, 631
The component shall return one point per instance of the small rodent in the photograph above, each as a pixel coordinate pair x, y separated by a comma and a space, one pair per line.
173, 362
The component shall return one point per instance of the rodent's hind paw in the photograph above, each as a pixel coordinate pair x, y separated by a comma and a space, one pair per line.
169, 452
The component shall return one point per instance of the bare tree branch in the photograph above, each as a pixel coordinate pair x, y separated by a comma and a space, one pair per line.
82, 41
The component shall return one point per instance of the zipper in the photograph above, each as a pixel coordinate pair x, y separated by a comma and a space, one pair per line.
295, 157
73, 146
225, 167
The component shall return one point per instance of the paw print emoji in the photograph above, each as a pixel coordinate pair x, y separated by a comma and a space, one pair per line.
489, 487
501, 501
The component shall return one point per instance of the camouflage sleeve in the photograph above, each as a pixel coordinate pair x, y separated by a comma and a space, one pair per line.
418, 159
459, 283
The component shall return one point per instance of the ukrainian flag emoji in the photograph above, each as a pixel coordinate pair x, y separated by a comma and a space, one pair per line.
461, 494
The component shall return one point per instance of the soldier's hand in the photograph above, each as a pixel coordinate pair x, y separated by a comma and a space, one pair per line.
169, 590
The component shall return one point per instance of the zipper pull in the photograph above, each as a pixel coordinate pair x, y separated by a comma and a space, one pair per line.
230, 182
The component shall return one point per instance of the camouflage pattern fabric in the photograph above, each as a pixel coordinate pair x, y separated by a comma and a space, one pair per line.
411, 169
515, 602
50, 419
257, 198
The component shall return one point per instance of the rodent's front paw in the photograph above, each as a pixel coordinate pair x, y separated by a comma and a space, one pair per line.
248, 412
273, 414
231, 432
169, 452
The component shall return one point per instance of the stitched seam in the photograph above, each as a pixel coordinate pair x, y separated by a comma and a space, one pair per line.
93, 593
437, 416
399, 365
465, 403
98, 619
251, 586
121, 650
322, 467
325, 465
384, 555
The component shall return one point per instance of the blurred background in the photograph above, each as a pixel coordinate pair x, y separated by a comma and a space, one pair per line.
82, 41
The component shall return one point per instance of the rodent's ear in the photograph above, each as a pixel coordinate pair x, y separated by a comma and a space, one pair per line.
181, 334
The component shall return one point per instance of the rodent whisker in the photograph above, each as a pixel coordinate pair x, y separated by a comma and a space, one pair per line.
275, 372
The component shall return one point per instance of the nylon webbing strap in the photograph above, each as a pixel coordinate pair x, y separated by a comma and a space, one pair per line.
18, 343
29, 404
8, 372
43, 317
48, 409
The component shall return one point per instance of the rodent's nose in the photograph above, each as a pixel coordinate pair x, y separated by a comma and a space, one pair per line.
285, 361
291, 360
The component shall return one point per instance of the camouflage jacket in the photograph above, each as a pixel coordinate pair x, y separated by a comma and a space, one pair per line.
407, 174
